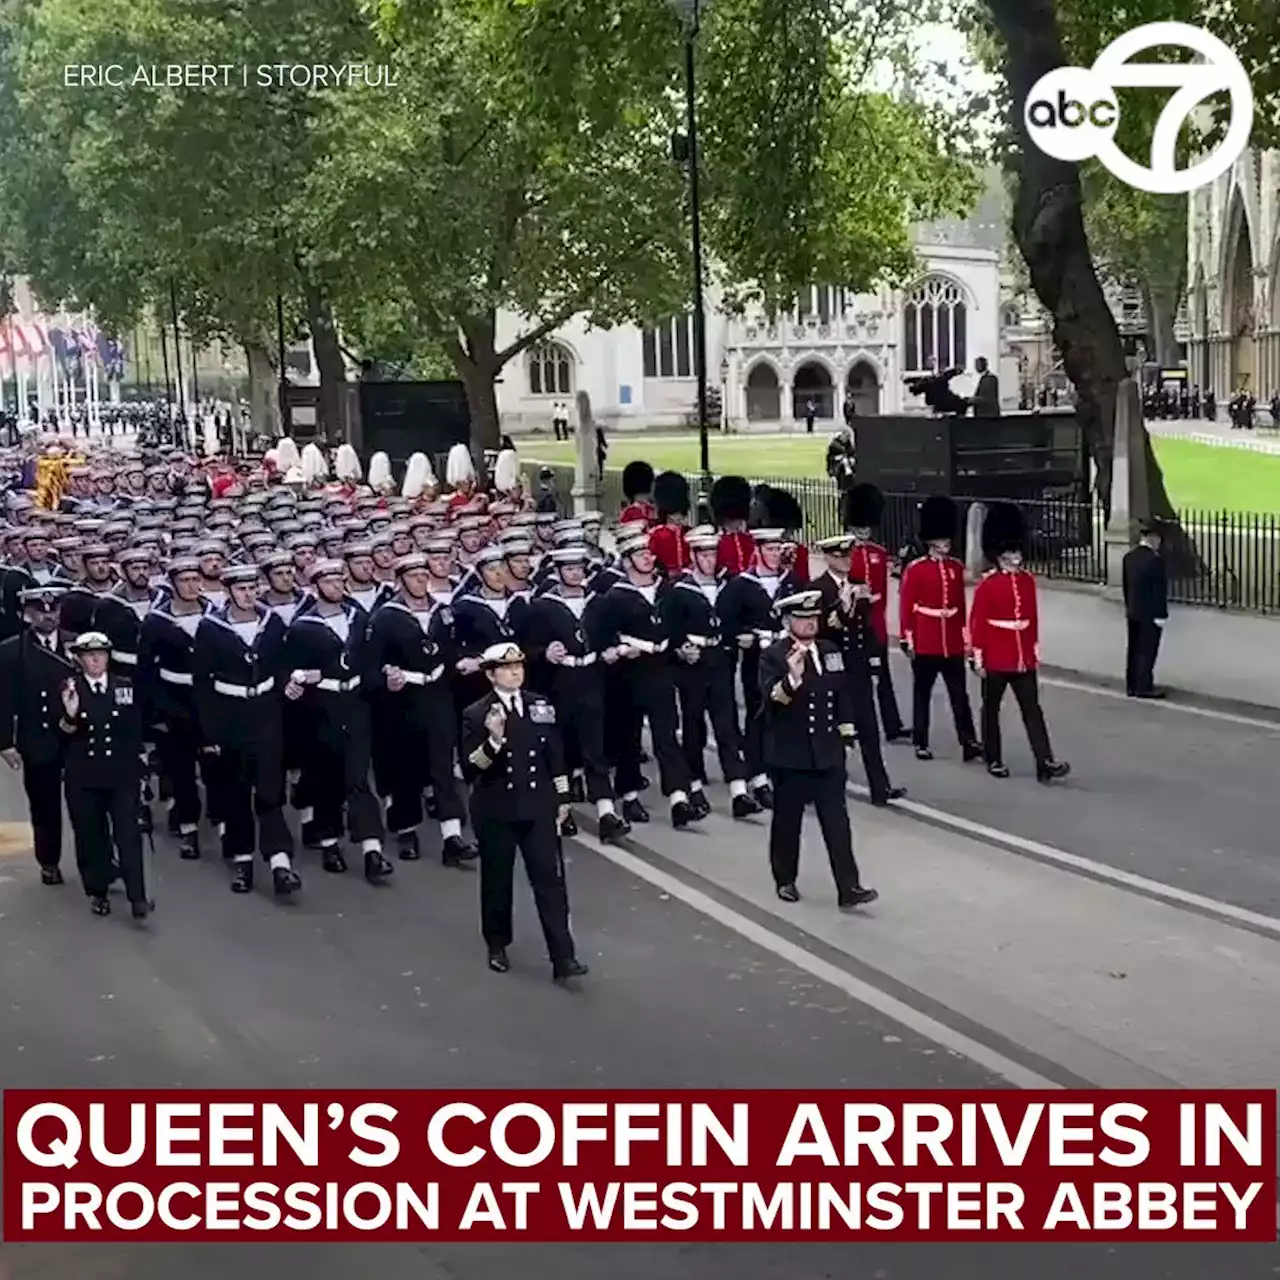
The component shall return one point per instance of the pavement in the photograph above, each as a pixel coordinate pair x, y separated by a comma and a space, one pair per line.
1120, 929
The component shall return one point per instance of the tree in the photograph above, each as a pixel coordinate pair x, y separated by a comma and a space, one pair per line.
524, 164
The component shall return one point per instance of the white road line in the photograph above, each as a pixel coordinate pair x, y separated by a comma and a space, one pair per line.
1207, 713
902, 1013
1074, 862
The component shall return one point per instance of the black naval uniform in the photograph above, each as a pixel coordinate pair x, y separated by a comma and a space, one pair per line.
416, 729
516, 790
103, 776
705, 686
806, 730
336, 735
1146, 607
851, 633
480, 621
13, 581
166, 686
32, 676
576, 684
238, 683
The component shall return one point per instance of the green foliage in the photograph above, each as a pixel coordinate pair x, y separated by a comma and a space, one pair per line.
1137, 238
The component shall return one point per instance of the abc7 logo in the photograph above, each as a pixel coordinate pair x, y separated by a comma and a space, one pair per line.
1072, 113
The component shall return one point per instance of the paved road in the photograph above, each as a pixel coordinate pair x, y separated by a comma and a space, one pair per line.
1165, 793
354, 986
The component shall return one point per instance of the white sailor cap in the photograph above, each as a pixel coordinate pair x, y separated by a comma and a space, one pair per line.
45, 597
439, 544
703, 538
501, 655
629, 528
591, 517
211, 547
636, 542
182, 564
328, 569
489, 555
523, 520
406, 564
241, 575
354, 549
277, 560
91, 642
136, 555
578, 554
517, 547
768, 535
512, 535
472, 523
839, 545
804, 604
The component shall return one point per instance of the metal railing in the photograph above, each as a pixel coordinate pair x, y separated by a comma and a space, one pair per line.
1235, 562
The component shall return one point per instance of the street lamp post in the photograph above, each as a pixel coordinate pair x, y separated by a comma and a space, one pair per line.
690, 13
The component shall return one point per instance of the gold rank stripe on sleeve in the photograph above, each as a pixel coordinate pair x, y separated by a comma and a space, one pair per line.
780, 693
482, 757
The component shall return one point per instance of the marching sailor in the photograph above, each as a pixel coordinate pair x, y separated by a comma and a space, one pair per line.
932, 628
1005, 628
807, 727
102, 725
239, 669
363, 585
514, 760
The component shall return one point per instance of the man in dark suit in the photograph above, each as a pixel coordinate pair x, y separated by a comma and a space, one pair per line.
34, 666
102, 724
986, 395
808, 723
513, 758
1146, 608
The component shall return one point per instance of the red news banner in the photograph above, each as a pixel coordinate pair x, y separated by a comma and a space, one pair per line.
544, 1166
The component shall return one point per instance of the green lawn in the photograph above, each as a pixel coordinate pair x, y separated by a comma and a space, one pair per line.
1198, 476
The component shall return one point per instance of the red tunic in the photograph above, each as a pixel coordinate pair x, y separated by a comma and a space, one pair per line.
736, 552
634, 512
800, 562
869, 563
669, 544
1005, 622
459, 499
932, 612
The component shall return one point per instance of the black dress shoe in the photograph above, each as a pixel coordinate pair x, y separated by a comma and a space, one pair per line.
998, 770
1152, 695
682, 814
333, 861
284, 881
634, 811
50, 876
572, 969
455, 852
242, 877
923, 753
858, 897
763, 796
972, 751
1053, 770
189, 846
407, 849
745, 806
376, 868
612, 827
894, 793
898, 735
140, 910
172, 822
788, 893
498, 962
100, 906
307, 834
569, 827
699, 803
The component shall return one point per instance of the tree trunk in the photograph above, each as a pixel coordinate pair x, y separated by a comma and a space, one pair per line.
1162, 309
1048, 226
331, 422
264, 390
476, 360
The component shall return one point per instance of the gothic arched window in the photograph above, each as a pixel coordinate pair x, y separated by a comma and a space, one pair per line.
550, 370
935, 326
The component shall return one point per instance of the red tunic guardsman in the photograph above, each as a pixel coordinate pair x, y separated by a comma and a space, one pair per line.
667, 541
932, 627
1005, 635
637, 485
863, 506
730, 508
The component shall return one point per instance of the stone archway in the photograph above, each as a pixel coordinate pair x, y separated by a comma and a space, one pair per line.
813, 382
863, 387
1240, 318
764, 394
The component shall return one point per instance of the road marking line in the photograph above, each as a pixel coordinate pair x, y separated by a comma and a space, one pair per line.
902, 1013
1208, 713
1168, 893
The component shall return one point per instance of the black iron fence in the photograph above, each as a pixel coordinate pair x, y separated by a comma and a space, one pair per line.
1235, 560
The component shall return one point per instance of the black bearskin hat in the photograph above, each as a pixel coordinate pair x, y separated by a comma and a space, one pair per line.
783, 510
730, 499
1003, 529
637, 479
671, 494
863, 506
938, 519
